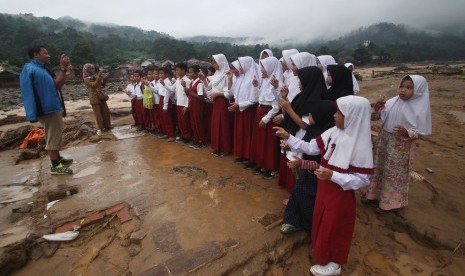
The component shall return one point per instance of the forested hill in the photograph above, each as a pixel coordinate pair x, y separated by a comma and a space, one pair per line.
107, 44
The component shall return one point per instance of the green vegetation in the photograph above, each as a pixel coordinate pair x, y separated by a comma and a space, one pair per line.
111, 44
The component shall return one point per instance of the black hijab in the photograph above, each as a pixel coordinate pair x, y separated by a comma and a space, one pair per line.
313, 82
342, 82
323, 114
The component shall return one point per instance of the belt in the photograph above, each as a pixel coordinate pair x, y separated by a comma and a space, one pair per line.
264, 106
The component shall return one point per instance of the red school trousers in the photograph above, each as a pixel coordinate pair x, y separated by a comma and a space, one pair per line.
167, 116
183, 122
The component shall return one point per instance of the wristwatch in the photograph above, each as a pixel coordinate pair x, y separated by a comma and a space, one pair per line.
63, 69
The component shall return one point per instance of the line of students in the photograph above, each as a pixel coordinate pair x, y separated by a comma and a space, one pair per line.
242, 104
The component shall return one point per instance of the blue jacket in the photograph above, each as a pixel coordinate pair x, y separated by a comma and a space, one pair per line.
34, 73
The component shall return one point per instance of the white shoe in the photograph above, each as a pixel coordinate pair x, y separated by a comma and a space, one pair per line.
326, 270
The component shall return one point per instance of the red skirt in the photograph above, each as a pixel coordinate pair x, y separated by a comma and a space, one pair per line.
286, 178
222, 126
265, 145
243, 128
183, 122
333, 223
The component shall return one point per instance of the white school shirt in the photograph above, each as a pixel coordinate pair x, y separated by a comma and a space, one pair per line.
130, 89
347, 181
169, 92
138, 91
222, 87
152, 86
163, 92
200, 88
269, 97
181, 96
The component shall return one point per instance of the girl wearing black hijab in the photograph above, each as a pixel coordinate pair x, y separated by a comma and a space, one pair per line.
299, 210
312, 85
340, 79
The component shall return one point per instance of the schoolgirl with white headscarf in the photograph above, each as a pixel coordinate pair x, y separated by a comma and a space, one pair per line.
222, 119
265, 150
287, 65
244, 106
404, 118
346, 162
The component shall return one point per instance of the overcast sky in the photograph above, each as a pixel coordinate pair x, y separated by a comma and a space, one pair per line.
274, 20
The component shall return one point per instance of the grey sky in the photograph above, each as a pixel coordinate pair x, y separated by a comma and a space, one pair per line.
301, 20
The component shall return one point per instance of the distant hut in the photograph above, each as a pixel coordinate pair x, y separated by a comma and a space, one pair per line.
8, 77
200, 63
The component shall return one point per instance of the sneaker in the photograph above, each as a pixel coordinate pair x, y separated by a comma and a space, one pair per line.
216, 153
60, 169
275, 173
267, 175
153, 132
249, 165
65, 161
240, 160
193, 144
257, 171
179, 139
187, 142
172, 139
199, 146
164, 136
326, 270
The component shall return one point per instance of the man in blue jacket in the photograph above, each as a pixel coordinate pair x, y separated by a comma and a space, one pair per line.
39, 89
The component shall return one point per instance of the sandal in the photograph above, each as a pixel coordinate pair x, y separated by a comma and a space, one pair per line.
286, 229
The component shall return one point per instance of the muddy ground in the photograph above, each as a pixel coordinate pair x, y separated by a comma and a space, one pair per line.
187, 203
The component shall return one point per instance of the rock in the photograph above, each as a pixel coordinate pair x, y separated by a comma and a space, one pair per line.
125, 242
133, 250
28, 154
11, 260
136, 237
26, 208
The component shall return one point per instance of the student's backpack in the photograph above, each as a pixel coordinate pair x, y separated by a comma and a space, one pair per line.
147, 100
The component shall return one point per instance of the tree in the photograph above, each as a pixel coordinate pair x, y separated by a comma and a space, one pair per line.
82, 53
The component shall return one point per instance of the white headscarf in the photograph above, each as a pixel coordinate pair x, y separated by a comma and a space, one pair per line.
326, 60
303, 59
287, 57
250, 71
349, 149
354, 79
220, 74
237, 80
273, 68
268, 51
414, 113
